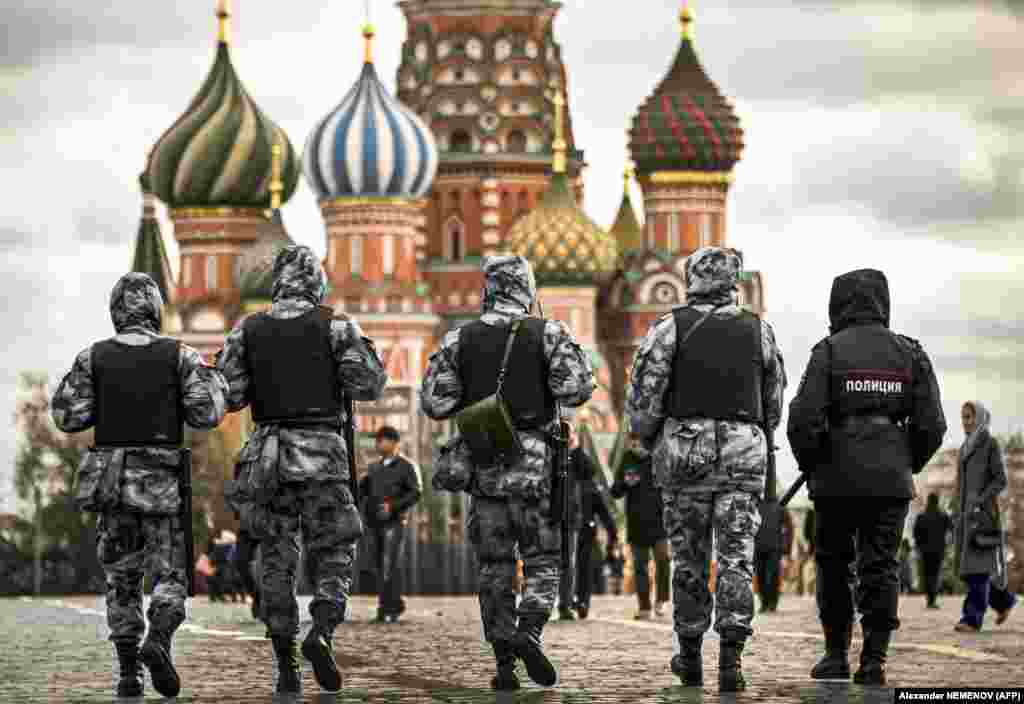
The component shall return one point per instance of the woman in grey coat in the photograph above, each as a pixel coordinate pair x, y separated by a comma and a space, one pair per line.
981, 477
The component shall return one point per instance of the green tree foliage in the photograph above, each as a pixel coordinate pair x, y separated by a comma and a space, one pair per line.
45, 478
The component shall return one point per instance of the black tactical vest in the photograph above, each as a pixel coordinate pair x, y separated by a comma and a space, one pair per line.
526, 391
871, 373
138, 393
717, 373
293, 373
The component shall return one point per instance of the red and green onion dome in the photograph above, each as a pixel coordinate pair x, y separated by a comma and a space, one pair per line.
218, 153
686, 124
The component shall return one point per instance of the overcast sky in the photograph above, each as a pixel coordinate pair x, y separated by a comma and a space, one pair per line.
886, 134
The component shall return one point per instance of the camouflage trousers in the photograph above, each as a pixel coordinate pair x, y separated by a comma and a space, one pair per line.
129, 544
501, 532
690, 520
322, 517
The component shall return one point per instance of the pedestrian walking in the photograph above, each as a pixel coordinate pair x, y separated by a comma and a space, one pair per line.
593, 510
586, 504
931, 530
980, 547
645, 529
707, 381
391, 487
293, 366
138, 389
538, 364
867, 416
906, 571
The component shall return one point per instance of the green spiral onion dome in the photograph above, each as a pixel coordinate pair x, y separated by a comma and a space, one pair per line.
218, 154
686, 124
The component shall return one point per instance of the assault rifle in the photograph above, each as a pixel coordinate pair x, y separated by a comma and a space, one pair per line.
349, 427
561, 485
185, 517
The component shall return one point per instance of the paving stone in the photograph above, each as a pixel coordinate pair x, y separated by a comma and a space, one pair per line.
55, 650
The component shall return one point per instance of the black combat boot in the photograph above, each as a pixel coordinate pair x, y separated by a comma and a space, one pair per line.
289, 677
688, 665
872, 657
730, 669
506, 660
566, 614
836, 664
318, 648
528, 647
130, 684
155, 654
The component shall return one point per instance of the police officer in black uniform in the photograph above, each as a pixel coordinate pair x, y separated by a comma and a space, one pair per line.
866, 418
391, 487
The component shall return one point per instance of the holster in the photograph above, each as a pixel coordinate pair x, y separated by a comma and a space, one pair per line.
489, 432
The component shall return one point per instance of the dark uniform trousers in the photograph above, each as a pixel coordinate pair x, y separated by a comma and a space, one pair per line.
868, 534
584, 567
388, 546
502, 531
767, 567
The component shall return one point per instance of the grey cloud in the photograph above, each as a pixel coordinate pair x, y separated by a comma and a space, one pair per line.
38, 29
103, 226
911, 179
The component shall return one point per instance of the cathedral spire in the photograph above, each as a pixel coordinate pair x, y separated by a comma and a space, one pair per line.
368, 34
223, 13
686, 20
559, 145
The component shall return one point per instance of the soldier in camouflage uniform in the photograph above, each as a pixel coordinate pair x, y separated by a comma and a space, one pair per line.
293, 366
702, 407
137, 389
510, 515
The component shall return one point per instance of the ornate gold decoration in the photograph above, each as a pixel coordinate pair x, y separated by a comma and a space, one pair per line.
559, 146
276, 184
223, 13
703, 177
193, 213
686, 20
368, 33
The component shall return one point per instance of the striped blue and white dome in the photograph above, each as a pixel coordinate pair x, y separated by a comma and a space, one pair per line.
370, 145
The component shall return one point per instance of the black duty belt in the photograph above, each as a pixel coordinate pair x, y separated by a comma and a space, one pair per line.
321, 424
134, 446
853, 422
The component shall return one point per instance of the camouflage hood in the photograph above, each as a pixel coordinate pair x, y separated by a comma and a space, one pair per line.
858, 297
136, 302
298, 275
509, 286
712, 275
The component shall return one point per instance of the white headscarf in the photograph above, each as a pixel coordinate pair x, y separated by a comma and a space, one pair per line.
982, 419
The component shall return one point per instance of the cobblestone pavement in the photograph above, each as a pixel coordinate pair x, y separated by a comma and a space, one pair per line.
55, 650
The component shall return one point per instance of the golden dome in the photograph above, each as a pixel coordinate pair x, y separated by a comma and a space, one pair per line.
563, 245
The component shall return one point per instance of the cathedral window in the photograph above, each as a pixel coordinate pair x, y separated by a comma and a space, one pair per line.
461, 141
455, 240
516, 141
356, 255
211, 271
517, 75
388, 263
705, 229
460, 75
673, 232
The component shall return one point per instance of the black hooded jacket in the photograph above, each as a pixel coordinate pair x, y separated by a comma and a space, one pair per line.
864, 370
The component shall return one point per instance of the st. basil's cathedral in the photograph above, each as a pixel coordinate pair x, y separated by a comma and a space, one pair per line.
475, 154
